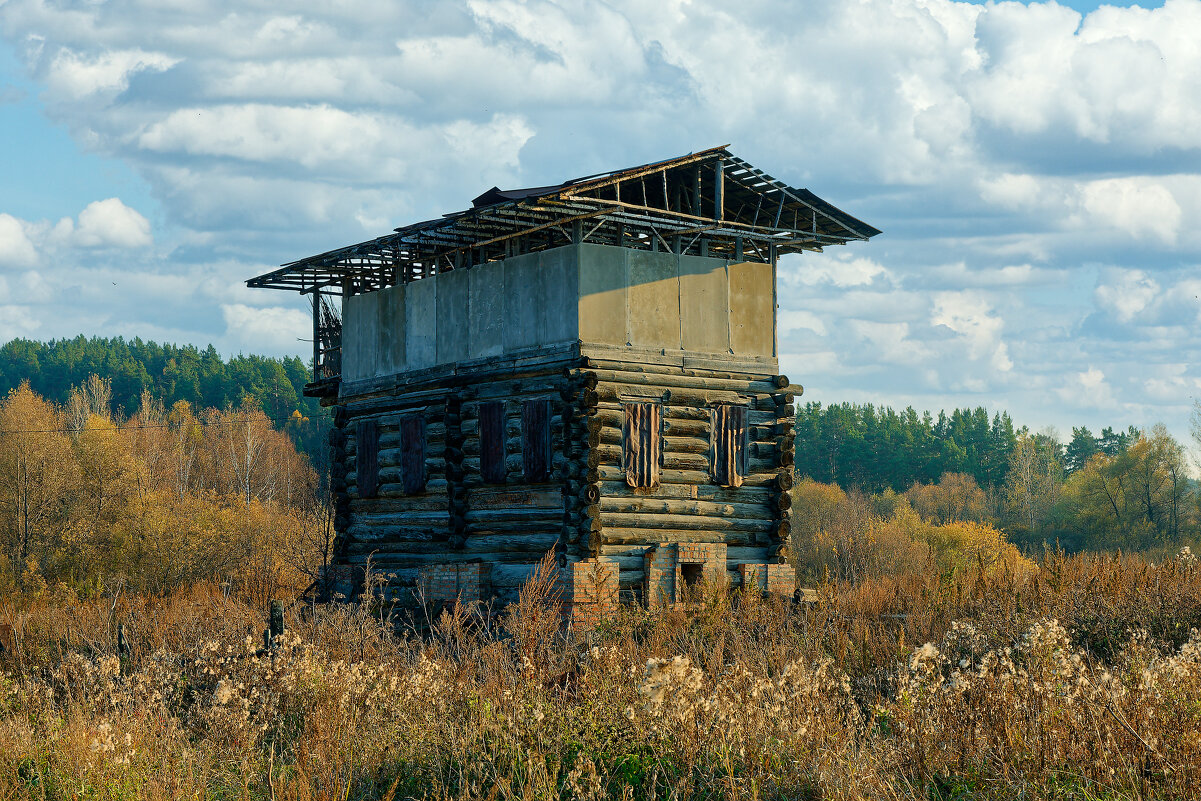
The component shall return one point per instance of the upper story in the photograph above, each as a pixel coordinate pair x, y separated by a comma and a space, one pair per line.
599, 296
674, 258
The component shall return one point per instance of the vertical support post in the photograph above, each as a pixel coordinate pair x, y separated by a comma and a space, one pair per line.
577, 231
737, 248
719, 194
696, 193
316, 334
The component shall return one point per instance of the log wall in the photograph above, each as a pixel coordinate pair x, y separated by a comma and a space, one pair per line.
586, 508
688, 505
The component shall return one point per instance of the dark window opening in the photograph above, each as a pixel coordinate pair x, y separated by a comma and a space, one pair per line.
412, 454
730, 435
535, 440
367, 458
492, 442
640, 438
693, 575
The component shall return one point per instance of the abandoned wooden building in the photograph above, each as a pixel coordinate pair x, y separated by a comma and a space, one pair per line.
589, 368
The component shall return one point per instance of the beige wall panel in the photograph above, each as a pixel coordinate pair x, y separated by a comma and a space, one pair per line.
654, 298
602, 303
704, 305
752, 309
486, 323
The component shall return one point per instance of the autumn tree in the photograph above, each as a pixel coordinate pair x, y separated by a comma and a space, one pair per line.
956, 496
37, 475
1137, 498
1031, 488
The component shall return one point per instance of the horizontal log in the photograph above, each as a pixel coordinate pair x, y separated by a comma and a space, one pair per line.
532, 543
680, 521
366, 507
633, 393
645, 503
640, 536
761, 494
673, 380
608, 472
688, 366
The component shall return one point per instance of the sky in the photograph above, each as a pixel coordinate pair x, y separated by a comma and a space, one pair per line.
1035, 168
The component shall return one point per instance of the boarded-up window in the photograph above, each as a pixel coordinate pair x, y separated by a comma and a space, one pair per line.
640, 437
729, 445
535, 440
367, 458
492, 442
412, 454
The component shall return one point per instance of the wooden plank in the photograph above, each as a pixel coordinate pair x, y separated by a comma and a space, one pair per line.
367, 458
641, 449
536, 440
492, 442
412, 446
729, 445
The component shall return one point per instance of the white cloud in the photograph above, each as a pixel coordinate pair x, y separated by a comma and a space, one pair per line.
841, 269
272, 329
1138, 206
73, 76
970, 315
1087, 388
110, 223
17, 321
1126, 293
16, 250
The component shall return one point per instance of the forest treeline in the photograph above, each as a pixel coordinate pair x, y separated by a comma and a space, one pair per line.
1121, 489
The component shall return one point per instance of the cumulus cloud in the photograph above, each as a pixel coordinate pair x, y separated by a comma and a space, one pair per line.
16, 249
1126, 293
110, 223
270, 329
74, 76
970, 316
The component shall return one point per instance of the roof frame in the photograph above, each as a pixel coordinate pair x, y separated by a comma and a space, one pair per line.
733, 209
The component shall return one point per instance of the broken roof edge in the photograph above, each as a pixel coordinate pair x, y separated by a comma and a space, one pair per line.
537, 207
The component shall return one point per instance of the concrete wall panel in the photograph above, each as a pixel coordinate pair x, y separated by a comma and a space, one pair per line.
525, 302
602, 305
421, 318
560, 312
752, 309
486, 323
454, 310
373, 336
704, 305
654, 298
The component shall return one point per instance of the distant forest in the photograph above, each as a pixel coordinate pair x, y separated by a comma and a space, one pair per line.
878, 448
854, 446
171, 374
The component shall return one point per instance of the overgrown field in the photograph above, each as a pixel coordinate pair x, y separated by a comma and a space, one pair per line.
1081, 679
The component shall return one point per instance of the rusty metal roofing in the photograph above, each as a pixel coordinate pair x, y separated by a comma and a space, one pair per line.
706, 203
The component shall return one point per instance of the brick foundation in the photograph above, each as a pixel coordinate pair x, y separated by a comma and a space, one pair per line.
462, 582
671, 567
769, 578
589, 593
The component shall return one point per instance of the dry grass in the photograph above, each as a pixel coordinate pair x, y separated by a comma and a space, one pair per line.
1081, 680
